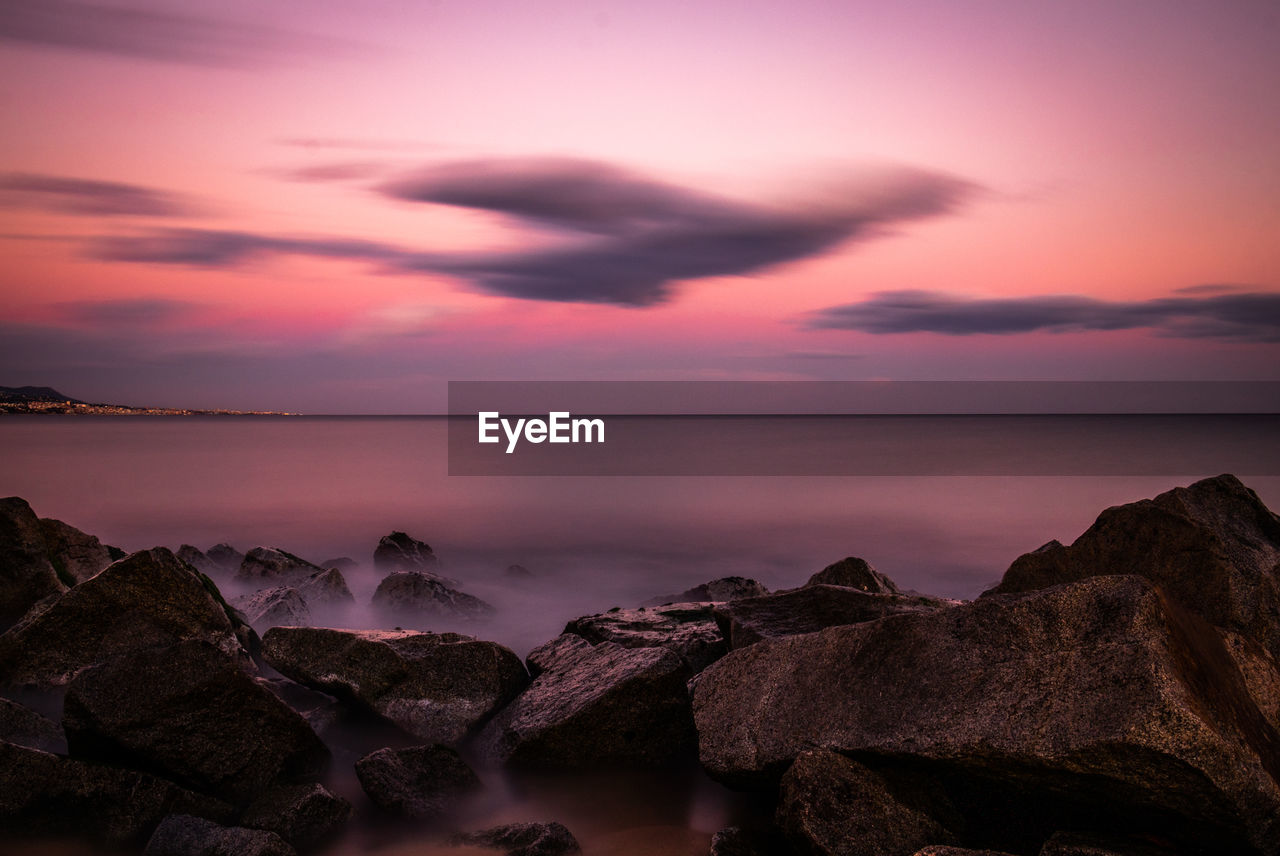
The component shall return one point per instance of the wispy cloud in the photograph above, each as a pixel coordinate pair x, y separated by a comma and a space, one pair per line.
87, 196
1204, 313
630, 238
151, 34
129, 312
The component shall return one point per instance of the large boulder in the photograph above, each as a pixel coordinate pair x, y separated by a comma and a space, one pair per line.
811, 608
274, 607
722, 589
833, 806
522, 839
1213, 547
688, 629
74, 553
21, 725
418, 781
1102, 702
197, 559
327, 588
226, 557
269, 564
191, 713
26, 573
399, 552
184, 835
435, 686
415, 597
145, 600
306, 815
852, 572
48, 795
596, 706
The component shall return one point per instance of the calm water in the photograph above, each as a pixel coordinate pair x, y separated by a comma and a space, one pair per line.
323, 488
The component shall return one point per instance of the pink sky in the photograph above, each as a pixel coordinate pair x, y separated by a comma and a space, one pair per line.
389, 195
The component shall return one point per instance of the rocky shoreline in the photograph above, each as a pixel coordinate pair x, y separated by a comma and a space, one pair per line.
1120, 695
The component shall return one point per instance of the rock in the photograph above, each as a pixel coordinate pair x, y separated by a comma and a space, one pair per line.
1102, 700
327, 588
1076, 844
1260, 672
342, 563
944, 850
833, 806
523, 839
435, 686
1213, 546
737, 841
26, 573
399, 552
145, 600
852, 572
184, 835
418, 781
226, 557
688, 629
22, 726
190, 713
274, 607
272, 563
811, 608
197, 559
725, 588
305, 816
595, 706
518, 572
73, 552
413, 596
47, 795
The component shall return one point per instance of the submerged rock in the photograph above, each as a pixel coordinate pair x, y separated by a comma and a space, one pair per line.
399, 552
811, 608
596, 706
420, 781
435, 686
22, 726
1101, 700
413, 596
146, 600
26, 573
523, 839
75, 553
688, 629
305, 816
722, 589
852, 572
188, 711
1214, 547
184, 835
272, 563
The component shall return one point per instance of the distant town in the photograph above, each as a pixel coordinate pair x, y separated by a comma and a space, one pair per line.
46, 400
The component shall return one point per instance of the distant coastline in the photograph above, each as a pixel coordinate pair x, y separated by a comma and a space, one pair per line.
48, 401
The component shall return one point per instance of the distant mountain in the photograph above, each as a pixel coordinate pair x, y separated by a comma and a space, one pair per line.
34, 393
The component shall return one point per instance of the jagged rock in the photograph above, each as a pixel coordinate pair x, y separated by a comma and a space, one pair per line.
737, 841
594, 706
1213, 546
184, 835
1260, 672
22, 726
399, 552
688, 629
145, 600
1076, 844
518, 572
722, 589
328, 588
342, 563
945, 850
852, 572
272, 563
274, 607
523, 839
1102, 700
419, 781
409, 595
833, 806
189, 712
44, 794
813, 607
197, 559
73, 552
226, 557
26, 573
436, 687
303, 815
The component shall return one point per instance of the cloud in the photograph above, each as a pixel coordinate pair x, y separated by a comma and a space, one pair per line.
630, 238
337, 171
1201, 314
145, 33
131, 312
87, 196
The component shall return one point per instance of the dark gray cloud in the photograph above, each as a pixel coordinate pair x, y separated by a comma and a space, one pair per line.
87, 196
1204, 314
630, 238
146, 33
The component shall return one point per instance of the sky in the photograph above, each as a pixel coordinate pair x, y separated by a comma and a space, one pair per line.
337, 207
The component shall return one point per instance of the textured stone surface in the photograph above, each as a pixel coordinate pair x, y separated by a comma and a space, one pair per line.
399, 552
271, 564
305, 816
184, 835
1102, 699
596, 706
225, 556
22, 725
411, 596
722, 589
523, 839
737, 841
328, 587
73, 552
274, 607
189, 712
197, 559
26, 573
146, 600
688, 629
436, 687
852, 572
419, 781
